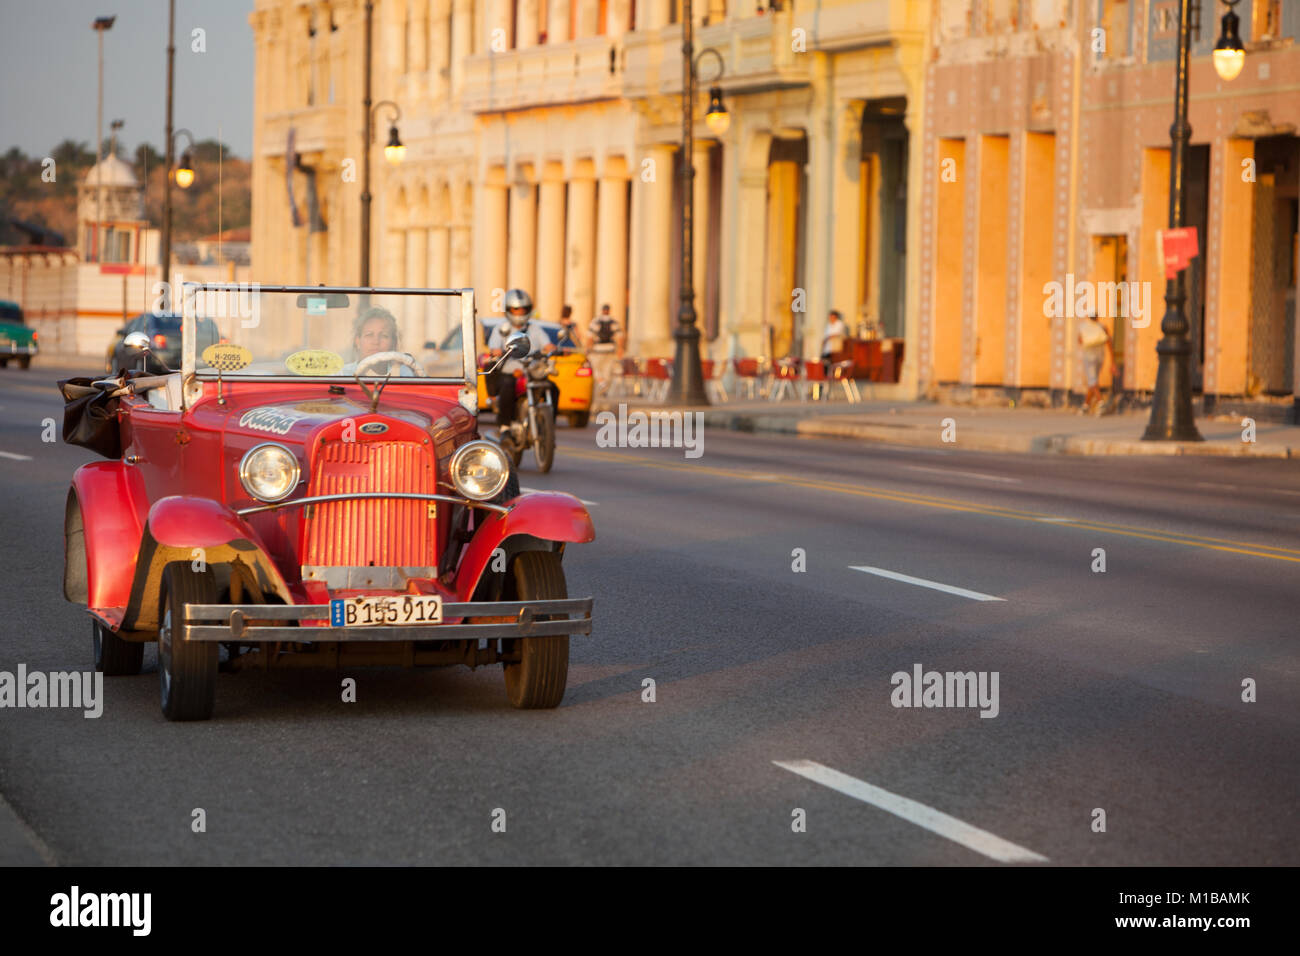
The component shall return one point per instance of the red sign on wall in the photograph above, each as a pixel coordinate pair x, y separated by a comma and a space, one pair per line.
1178, 247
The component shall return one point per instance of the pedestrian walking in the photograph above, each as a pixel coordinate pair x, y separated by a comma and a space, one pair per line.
1096, 344
833, 340
606, 343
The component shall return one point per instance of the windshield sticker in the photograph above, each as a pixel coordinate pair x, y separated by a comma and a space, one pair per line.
272, 419
316, 306
314, 362
225, 357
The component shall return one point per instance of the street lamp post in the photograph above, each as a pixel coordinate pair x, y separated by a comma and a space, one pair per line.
100, 25
1171, 406
184, 174
687, 385
394, 151
169, 136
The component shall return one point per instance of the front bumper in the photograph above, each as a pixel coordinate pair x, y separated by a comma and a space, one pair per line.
13, 348
238, 623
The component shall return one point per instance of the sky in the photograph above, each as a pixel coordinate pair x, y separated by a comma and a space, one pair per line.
49, 72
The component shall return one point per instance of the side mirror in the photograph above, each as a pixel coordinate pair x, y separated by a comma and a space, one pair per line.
137, 340
518, 345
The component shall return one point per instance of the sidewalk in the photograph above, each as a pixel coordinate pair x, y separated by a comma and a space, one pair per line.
981, 428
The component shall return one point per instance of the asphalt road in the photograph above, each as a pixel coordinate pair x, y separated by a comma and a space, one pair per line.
1119, 691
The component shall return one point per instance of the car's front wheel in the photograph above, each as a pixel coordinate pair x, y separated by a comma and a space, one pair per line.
187, 670
579, 419
115, 657
24, 361
537, 680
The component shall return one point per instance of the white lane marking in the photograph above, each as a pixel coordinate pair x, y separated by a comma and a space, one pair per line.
1053, 520
530, 490
936, 821
968, 474
1215, 484
9, 454
922, 582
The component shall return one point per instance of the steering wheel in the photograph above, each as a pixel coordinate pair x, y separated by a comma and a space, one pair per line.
401, 358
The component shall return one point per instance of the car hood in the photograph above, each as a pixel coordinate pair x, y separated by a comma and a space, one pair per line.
297, 420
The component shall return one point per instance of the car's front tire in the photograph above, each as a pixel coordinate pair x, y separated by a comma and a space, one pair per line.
579, 419
538, 679
115, 657
187, 670
24, 361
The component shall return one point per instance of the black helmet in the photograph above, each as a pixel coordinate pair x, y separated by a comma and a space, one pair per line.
518, 299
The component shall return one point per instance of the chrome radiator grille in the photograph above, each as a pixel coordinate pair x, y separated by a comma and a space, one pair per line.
372, 531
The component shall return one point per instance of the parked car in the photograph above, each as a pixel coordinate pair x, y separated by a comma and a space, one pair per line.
572, 372
164, 332
17, 340
304, 496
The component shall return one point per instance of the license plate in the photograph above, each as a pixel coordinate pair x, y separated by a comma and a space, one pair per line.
400, 609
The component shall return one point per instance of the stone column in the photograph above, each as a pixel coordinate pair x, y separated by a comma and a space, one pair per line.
392, 266
617, 17
611, 239
417, 36
580, 243
490, 227
496, 17
462, 40
652, 315
439, 38
438, 272
526, 24
557, 21
550, 243
588, 13
460, 274
522, 264
700, 229
652, 14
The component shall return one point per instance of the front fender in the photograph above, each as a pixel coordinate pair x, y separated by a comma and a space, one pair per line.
544, 515
101, 531
178, 526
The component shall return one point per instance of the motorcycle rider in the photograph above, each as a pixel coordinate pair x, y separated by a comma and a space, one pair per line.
501, 383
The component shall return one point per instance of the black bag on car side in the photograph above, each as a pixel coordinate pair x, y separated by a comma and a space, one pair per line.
90, 417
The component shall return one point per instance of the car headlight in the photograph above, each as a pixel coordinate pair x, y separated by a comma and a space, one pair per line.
479, 470
269, 472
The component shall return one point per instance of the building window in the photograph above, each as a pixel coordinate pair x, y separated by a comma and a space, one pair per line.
1115, 20
999, 16
1266, 20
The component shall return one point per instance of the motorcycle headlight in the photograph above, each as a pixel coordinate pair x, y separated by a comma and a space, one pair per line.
269, 472
479, 470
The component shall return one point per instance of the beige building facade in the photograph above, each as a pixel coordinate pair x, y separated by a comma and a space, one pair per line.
1047, 162
543, 149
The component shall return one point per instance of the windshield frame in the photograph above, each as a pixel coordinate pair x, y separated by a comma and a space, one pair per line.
192, 378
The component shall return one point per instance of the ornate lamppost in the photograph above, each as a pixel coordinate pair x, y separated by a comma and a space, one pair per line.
687, 386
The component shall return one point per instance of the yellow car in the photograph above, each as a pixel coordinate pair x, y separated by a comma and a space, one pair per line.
572, 373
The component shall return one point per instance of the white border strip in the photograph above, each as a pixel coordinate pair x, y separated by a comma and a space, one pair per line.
922, 582
973, 838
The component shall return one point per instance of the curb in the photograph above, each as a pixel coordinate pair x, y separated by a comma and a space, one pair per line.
1045, 444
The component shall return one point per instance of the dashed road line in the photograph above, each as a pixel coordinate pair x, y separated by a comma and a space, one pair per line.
965, 474
922, 582
936, 821
11, 455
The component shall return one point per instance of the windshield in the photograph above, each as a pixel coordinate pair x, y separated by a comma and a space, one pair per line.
287, 333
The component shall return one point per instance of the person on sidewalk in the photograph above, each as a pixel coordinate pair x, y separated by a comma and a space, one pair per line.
606, 343
1096, 344
833, 340
568, 339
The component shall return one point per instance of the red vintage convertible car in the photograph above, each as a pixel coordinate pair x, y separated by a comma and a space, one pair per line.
302, 493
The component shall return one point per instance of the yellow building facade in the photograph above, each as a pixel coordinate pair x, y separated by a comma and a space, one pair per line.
543, 149
1047, 167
